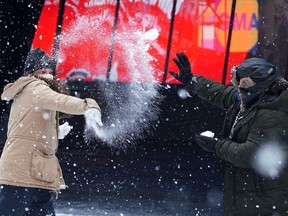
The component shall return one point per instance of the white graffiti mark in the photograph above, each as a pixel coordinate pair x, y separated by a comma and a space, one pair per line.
51, 2
92, 3
164, 5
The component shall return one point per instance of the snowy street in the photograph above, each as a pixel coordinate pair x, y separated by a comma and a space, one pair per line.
92, 208
150, 182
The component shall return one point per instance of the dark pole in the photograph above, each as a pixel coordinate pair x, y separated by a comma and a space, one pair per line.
113, 39
229, 41
58, 30
169, 42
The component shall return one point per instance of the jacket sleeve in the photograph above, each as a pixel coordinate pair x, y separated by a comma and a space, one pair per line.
215, 93
46, 98
268, 128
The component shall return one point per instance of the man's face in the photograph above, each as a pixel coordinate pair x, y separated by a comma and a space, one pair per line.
234, 78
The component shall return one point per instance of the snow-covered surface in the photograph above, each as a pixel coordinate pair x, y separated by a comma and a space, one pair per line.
136, 207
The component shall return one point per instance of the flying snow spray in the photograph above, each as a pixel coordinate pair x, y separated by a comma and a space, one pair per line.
130, 108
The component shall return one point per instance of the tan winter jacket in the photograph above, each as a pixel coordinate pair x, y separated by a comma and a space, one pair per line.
28, 158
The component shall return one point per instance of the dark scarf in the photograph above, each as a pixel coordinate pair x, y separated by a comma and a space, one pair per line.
263, 77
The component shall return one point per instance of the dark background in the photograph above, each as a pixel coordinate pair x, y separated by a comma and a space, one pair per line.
163, 166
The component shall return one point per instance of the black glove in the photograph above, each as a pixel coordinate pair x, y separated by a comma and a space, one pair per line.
185, 75
206, 143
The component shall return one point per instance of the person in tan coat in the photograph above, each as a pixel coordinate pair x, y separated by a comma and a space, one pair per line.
30, 173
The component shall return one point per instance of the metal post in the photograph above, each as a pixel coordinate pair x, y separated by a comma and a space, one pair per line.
58, 30
113, 39
169, 42
229, 41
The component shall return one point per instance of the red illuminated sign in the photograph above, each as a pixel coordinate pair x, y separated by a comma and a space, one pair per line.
135, 49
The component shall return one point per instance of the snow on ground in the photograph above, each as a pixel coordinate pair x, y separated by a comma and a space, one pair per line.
92, 208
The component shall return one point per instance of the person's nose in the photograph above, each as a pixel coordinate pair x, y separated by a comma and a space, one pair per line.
47, 71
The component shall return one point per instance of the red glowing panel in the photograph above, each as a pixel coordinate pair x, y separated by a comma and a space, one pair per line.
134, 47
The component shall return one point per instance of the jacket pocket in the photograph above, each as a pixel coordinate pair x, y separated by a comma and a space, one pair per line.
44, 167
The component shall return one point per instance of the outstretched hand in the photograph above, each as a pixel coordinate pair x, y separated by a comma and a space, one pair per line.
92, 116
185, 74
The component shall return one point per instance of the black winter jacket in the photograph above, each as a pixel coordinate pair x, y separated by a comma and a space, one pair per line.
248, 191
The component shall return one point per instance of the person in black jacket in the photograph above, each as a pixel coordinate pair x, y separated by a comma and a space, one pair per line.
254, 139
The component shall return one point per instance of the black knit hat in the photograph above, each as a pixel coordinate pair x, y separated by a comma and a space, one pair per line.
37, 59
259, 70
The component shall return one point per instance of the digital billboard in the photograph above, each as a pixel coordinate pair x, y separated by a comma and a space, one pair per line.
136, 40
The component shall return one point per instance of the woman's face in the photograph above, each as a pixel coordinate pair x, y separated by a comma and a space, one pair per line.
46, 73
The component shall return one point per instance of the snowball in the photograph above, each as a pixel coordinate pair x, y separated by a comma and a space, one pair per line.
208, 134
151, 34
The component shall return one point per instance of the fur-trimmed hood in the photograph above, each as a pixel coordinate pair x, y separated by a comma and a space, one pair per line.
12, 89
